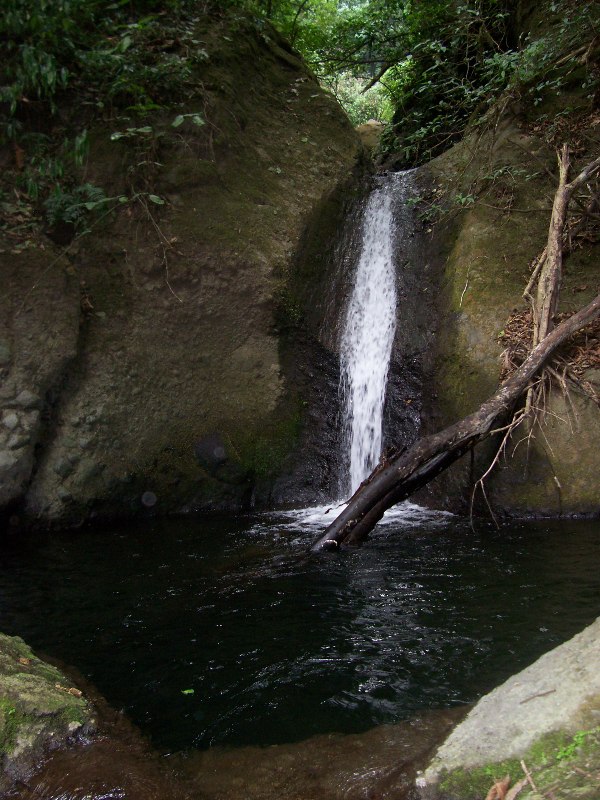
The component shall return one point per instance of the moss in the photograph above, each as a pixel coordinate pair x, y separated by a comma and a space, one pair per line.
495, 241
19, 648
35, 715
262, 454
10, 722
556, 759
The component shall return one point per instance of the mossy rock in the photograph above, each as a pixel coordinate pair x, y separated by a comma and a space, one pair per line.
494, 196
545, 717
560, 762
40, 711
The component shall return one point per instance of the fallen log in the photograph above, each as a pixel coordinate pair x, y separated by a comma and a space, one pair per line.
392, 482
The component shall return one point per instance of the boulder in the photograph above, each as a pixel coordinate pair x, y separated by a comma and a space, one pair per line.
531, 717
40, 711
180, 313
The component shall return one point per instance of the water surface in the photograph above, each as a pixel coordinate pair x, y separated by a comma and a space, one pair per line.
224, 631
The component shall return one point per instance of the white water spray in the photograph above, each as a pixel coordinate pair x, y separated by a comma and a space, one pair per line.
368, 333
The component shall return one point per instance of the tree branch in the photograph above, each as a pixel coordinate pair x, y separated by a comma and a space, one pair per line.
390, 483
395, 480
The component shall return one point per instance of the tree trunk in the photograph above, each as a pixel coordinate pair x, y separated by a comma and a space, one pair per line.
392, 482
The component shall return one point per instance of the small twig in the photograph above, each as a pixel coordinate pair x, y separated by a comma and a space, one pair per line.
579, 52
512, 208
583, 772
539, 694
538, 264
528, 776
164, 243
516, 789
166, 263
465, 289
508, 430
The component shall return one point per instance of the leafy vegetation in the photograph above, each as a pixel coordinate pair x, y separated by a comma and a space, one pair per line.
361, 103
439, 66
432, 69
83, 58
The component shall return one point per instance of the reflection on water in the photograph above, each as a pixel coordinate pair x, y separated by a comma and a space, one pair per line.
224, 631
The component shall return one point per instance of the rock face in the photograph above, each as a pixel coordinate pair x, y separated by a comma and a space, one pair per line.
38, 713
370, 133
174, 320
560, 692
489, 216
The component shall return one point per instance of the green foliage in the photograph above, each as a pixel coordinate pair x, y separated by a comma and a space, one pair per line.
360, 106
196, 119
464, 200
49, 163
113, 52
71, 207
39, 42
132, 133
126, 58
436, 68
128, 70
569, 751
461, 58
441, 64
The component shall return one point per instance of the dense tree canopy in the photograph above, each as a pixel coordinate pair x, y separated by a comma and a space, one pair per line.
439, 64
432, 67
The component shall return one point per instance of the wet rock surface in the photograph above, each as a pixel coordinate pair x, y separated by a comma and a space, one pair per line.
166, 323
40, 711
379, 763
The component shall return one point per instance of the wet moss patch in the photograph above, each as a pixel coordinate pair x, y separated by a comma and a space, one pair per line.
39, 710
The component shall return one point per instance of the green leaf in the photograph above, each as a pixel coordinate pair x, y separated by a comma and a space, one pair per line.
178, 121
187, 691
156, 199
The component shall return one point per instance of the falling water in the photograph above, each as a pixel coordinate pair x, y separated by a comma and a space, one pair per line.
368, 332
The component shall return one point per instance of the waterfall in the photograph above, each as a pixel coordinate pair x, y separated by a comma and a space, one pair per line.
368, 332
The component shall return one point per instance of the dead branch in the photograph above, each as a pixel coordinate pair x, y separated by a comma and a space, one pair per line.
545, 305
431, 455
395, 480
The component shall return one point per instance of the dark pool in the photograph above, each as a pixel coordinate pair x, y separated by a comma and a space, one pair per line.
224, 631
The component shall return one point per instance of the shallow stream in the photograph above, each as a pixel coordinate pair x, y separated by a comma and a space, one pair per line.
221, 635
